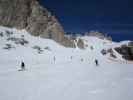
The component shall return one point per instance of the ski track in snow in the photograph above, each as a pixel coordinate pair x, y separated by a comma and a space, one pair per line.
64, 79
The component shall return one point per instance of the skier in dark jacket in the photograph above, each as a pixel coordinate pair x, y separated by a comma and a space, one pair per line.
96, 61
22, 65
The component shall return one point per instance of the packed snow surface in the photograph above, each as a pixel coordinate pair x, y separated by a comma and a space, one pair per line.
59, 73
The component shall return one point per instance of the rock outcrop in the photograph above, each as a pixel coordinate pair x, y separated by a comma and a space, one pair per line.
95, 33
126, 51
29, 15
99, 35
80, 44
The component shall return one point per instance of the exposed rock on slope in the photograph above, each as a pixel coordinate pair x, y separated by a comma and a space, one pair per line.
29, 15
126, 51
99, 35
81, 44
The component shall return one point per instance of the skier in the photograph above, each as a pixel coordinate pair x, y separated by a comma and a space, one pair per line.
54, 59
22, 65
96, 61
82, 59
71, 57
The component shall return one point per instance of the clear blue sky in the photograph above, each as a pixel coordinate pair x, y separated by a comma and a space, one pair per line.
114, 17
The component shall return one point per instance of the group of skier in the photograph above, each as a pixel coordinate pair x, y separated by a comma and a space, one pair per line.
23, 64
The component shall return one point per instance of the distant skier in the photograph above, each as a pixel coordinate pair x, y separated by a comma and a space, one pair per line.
71, 57
82, 59
54, 58
96, 62
22, 65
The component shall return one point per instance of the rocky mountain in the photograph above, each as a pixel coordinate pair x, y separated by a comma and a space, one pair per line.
30, 15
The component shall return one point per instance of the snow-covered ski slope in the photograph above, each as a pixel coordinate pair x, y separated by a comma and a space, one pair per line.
59, 73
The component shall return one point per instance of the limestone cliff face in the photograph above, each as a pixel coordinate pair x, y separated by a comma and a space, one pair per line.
29, 15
